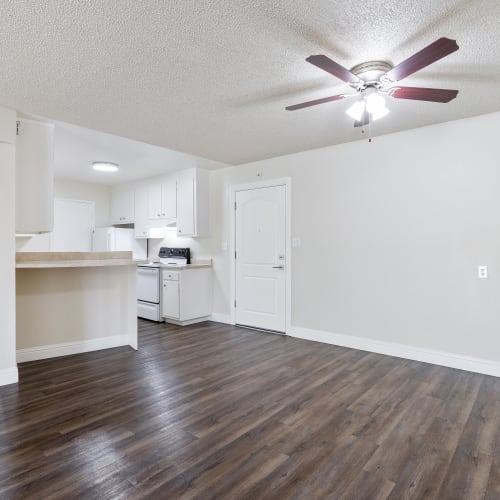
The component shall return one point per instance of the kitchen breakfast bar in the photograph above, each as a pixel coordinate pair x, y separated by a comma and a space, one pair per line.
71, 302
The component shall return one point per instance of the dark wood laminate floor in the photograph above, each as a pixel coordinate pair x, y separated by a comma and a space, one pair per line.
213, 411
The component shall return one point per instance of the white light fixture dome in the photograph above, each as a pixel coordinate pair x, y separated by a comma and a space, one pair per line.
104, 166
373, 103
356, 110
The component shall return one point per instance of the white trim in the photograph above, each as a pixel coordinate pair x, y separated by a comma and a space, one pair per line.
186, 322
283, 181
452, 360
9, 376
221, 318
36, 122
67, 348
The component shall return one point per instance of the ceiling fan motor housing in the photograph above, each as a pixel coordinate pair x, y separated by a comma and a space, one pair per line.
370, 74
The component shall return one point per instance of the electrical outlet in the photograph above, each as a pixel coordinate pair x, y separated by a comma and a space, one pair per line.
482, 272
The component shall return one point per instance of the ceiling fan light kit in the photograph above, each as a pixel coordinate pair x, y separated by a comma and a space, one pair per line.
372, 103
356, 110
373, 79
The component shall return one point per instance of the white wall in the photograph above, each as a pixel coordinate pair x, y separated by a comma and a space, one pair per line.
99, 194
82, 306
8, 368
392, 233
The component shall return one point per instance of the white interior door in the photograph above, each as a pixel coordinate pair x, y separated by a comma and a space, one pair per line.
73, 226
261, 261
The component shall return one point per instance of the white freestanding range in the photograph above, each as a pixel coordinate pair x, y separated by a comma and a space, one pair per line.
149, 282
149, 292
175, 290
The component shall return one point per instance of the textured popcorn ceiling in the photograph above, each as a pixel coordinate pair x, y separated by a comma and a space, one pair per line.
212, 78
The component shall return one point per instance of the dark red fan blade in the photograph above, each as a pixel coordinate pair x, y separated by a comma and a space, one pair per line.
335, 69
423, 94
433, 52
316, 101
365, 120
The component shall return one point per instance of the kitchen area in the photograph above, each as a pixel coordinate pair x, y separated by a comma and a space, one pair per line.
92, 253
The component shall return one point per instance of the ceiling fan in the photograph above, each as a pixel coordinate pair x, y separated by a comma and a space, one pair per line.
371, 80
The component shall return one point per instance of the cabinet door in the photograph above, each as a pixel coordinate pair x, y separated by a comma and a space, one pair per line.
122, 206
185, 204
169, 199
170, 299
141, 224
34, 177
155, 200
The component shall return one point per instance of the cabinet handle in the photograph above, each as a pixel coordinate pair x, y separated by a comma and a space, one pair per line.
158, 215
277, 267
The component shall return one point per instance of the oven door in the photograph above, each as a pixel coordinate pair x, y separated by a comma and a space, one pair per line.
148, 284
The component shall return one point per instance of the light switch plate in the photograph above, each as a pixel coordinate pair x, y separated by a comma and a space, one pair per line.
296, 242
482, 272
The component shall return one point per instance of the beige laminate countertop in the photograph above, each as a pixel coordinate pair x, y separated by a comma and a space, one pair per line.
41, 260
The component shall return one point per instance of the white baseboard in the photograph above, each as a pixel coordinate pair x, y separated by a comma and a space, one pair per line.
221, 318
66, 348
9, 376
452, 360
187, 321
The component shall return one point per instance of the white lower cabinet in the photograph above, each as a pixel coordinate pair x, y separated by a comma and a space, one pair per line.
187, 295
171, 299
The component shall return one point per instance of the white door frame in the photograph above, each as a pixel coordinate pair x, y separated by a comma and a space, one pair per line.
283, 181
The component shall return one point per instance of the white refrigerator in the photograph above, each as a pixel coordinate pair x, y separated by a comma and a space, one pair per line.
117, 239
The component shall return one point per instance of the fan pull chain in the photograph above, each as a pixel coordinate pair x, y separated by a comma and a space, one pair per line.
369, 132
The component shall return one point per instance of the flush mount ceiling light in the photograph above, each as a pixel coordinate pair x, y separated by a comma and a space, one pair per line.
104, 166
373, 78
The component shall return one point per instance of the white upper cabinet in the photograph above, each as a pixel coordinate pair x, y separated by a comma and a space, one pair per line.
123, 205
180, 199
193, 202
162, 203
141, 225
185, 204
169, 197
154, 200
34, 177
